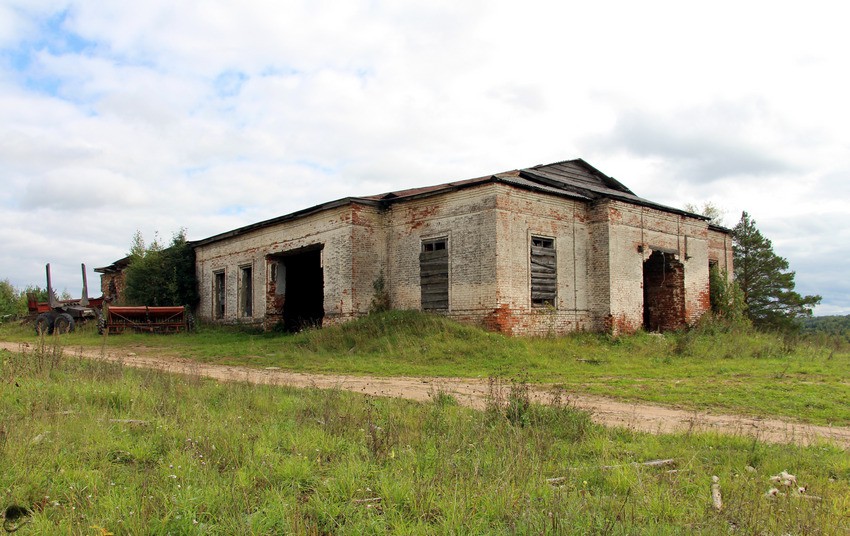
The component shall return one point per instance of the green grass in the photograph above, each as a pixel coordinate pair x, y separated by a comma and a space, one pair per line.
92, 447
709, 368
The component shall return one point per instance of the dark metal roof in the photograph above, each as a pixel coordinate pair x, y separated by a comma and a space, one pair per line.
115, 267
438, 188
575, 179
284, 218
579, 177
719, 228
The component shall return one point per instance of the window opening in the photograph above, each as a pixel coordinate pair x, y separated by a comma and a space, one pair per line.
544, 276
434, 274
543, 242
438, 244
714, 285
246, 291
218, 294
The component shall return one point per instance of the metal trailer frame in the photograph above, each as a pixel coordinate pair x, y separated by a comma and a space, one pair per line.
63, 315
144, 319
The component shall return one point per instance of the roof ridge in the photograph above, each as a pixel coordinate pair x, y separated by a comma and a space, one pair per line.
556, 163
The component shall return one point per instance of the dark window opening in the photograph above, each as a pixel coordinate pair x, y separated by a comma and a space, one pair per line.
715, 285
434, 274
273, 272
218, 294
434, 245
246, 291
663, 292
543, 242
544, 272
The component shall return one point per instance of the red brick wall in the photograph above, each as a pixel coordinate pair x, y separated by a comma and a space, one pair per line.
664, 293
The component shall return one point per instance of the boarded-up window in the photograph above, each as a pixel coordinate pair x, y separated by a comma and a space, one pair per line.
434, 274
544, 277
218, 294
246, 291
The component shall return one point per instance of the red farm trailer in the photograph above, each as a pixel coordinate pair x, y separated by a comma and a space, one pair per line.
62, 316
145, 319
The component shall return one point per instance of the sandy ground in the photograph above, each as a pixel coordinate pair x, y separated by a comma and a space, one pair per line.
473, 393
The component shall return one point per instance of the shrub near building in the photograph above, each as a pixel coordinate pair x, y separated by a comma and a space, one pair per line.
158, 276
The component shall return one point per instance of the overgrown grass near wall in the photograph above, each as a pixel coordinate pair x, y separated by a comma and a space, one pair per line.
89, 447
706, 368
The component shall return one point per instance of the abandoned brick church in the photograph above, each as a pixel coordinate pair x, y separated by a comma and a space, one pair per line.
548, 249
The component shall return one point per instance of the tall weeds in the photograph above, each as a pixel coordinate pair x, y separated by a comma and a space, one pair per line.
42, 359
139, 452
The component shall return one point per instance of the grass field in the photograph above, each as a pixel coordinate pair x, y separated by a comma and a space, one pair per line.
93, 448
712, 368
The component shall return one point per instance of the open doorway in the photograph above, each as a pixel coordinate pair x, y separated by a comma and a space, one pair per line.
663, 292
296, 291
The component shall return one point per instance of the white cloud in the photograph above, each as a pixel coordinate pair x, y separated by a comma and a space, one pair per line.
158, 115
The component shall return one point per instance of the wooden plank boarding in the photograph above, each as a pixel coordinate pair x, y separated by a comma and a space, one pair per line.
544, 277
434, 280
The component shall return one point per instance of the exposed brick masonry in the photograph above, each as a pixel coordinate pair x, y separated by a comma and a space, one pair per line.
601, 250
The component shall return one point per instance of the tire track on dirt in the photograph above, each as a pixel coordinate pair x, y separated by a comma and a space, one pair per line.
474, 393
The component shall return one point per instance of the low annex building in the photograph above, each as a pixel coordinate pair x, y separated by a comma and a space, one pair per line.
112, 280
548, 249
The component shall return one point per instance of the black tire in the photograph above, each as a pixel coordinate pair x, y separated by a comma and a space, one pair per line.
64, 323
44, 323
101, 323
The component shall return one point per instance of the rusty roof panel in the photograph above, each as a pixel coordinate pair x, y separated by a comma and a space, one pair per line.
413, 192
570, 178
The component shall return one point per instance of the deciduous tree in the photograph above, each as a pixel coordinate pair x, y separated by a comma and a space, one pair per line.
9, 298
709, 210
158, 276
727, 300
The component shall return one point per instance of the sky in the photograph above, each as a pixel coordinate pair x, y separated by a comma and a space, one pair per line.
153, 116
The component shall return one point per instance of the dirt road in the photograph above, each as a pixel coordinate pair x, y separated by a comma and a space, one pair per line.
473, 393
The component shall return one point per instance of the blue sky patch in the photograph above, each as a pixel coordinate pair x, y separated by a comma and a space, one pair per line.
229, 83
55, 38
315, 166
61, 40
231, 210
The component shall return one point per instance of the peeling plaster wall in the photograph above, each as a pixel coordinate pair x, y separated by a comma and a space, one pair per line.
520, 215
600, 252
720, 250
369, 255
630, 227
468, 219
332, 228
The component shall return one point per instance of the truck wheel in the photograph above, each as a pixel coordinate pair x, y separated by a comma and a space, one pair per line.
101, 323
64, 323
44, 324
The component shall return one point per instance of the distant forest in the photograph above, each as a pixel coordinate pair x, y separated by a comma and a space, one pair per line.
830, 325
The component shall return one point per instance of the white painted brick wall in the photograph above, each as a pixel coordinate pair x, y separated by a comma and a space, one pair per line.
489, 227
331, 228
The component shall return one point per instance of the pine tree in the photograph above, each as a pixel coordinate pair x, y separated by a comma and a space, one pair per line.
765, 280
